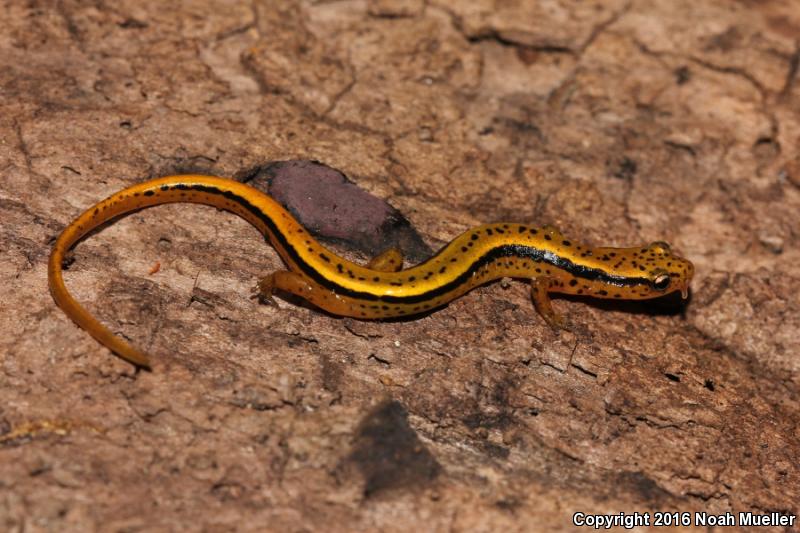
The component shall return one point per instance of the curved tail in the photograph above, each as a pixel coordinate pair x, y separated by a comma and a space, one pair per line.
187, 188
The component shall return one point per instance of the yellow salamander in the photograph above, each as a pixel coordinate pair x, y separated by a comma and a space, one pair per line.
382, 289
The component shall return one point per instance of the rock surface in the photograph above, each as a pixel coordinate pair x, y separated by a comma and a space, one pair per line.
621, 122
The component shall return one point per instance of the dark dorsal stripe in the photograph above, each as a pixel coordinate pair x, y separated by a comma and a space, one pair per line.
506, 250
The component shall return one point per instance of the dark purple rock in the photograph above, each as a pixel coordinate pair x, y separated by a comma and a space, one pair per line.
333, 208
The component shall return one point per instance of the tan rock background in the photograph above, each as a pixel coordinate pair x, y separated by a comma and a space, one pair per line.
620, 122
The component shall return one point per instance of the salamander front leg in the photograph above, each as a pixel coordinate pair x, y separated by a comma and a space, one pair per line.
541, 301
389, 261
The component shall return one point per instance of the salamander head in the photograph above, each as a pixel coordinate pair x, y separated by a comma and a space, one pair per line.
665, 272
628, 273
653, 271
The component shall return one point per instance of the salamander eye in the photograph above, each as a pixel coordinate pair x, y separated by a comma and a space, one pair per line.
661, 282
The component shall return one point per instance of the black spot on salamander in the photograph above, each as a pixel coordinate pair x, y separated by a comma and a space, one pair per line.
538, 270
441, 270
395, 284
469, 244
505, 226
580, 291
376, 278
464, 248
533, 231
605, 258
642, 268
474, 237
521, 229
362, 278
618, 295
453, 259
573, 282
149, 193
498, 230
310, 249
340, 268
566, 243
373, 306
325, 258
136, 194
385, 307
547, 237
488, 231
602, 292
412, 278
350, 274
165, 187
96, 211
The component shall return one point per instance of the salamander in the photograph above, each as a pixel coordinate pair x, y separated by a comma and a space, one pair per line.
383, 289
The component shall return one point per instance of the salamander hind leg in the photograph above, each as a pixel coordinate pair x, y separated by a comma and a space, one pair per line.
282, 280
293, 283
265, 289
541, 301
390, 260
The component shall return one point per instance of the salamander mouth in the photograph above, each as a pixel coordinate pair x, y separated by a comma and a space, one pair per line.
689, 276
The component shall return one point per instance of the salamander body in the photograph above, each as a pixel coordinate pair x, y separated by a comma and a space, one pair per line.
382, 289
